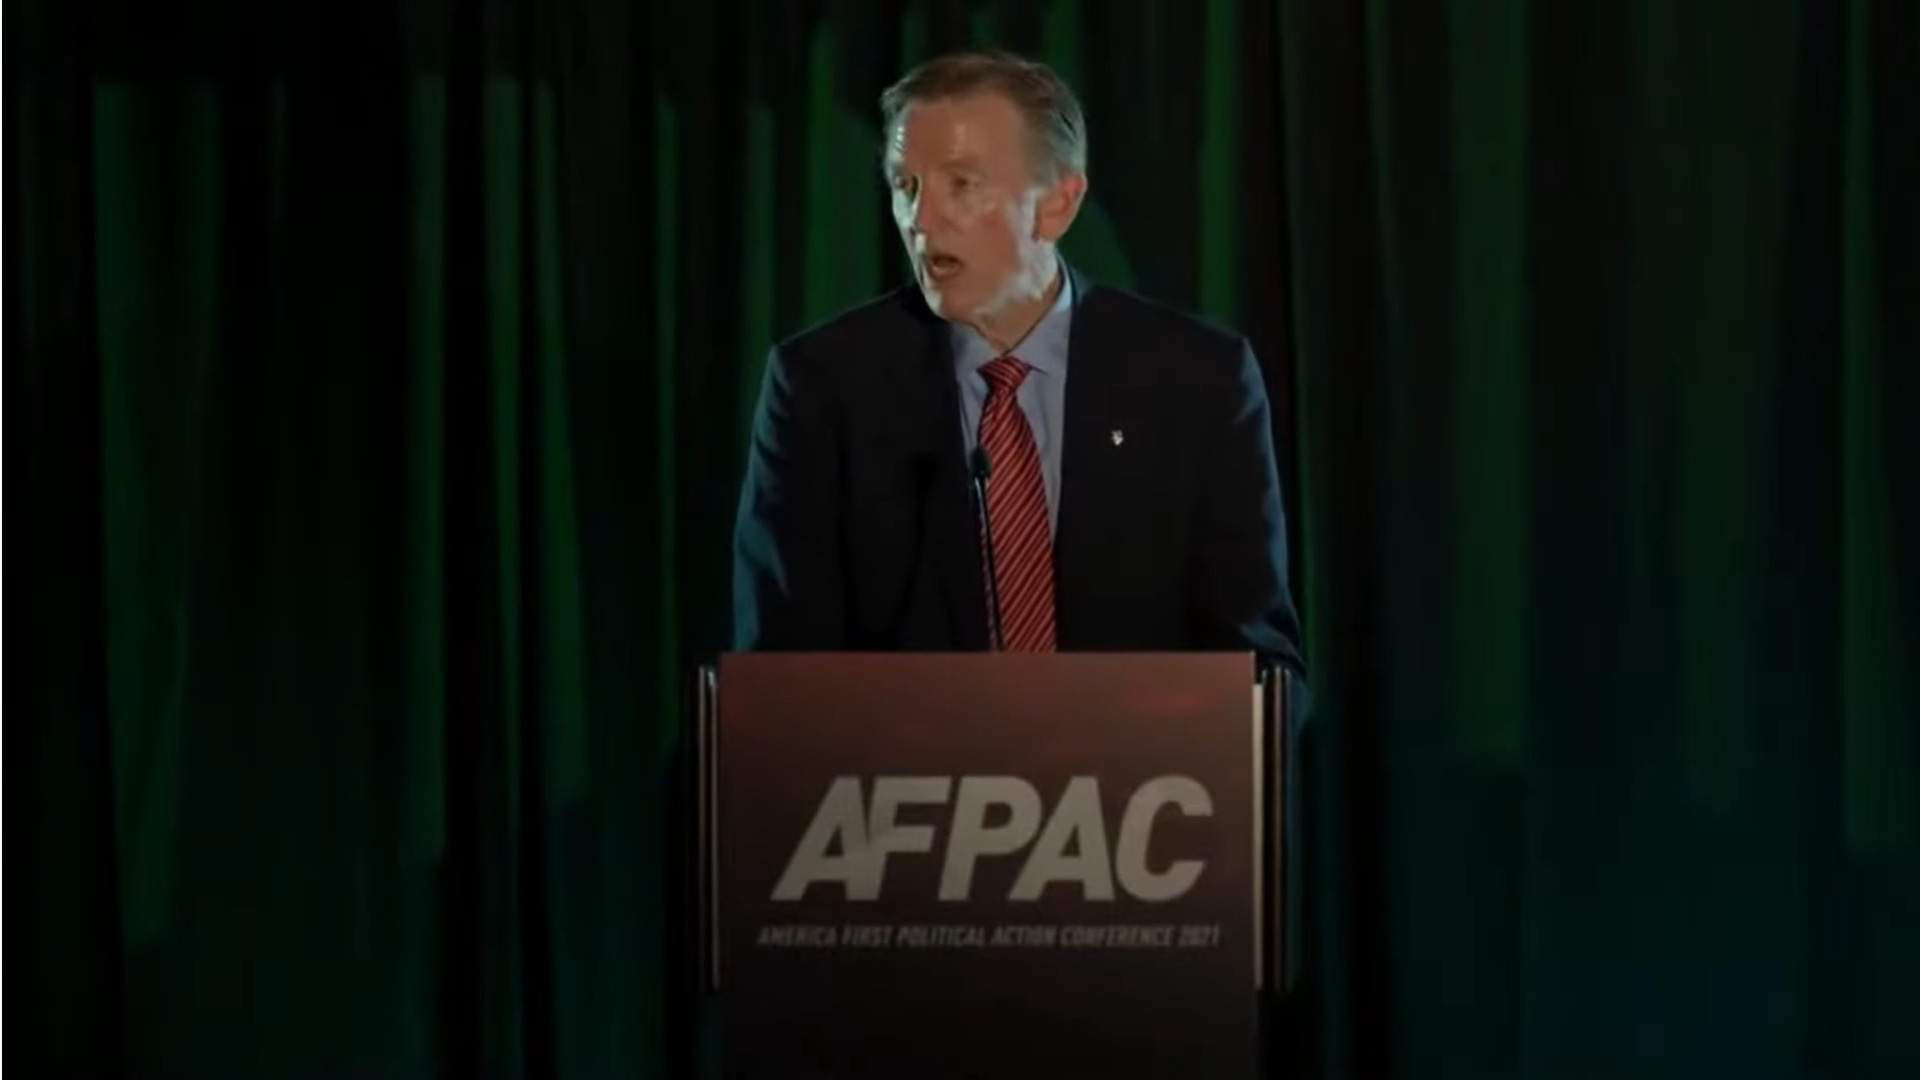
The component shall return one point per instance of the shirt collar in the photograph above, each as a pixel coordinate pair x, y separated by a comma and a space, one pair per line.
1043, 349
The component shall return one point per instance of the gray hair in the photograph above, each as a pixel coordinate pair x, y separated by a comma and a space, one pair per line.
1052, 113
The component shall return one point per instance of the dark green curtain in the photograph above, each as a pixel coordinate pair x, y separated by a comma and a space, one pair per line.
381, 373
1608, 336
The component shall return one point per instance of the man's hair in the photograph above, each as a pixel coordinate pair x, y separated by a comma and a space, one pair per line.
1052, 113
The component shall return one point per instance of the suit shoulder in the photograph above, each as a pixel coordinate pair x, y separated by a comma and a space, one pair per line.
1211, 357
880, 323
1141, 316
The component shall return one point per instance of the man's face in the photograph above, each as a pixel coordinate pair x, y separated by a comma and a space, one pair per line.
977, 228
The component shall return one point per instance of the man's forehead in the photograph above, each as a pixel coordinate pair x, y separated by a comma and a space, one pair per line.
980, 111
953, 157
958, 136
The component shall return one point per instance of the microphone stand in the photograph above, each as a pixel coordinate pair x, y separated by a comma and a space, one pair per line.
981, 468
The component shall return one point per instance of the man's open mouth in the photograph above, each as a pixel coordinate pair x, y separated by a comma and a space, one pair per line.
940, 267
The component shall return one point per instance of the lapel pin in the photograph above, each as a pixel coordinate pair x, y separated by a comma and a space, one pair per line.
1119, 436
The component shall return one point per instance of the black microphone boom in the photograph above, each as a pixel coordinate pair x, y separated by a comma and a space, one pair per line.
981, 468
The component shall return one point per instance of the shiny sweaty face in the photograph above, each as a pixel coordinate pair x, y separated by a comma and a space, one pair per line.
961, 200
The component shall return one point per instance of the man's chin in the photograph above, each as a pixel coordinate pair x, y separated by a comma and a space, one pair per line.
946, 303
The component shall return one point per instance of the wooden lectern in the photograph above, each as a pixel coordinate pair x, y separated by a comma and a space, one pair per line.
920, 866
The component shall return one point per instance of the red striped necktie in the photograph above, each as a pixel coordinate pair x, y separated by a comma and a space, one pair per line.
1017, 511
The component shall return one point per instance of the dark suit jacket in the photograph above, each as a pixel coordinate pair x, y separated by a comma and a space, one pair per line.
857, 527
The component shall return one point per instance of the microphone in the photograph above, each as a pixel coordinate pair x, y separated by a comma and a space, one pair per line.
981, 468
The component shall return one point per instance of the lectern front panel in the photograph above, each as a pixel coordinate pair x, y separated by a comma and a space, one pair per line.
988, 865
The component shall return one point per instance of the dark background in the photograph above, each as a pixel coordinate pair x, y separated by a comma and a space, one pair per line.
378, 377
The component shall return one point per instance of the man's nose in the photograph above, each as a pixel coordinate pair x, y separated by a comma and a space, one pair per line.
925, 215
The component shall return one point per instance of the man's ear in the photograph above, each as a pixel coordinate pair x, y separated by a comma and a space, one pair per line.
1059, 204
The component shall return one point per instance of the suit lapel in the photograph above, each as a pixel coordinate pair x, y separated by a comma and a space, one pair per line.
1089, 507
951, 522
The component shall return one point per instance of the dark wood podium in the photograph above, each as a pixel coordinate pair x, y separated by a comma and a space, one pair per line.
991, 865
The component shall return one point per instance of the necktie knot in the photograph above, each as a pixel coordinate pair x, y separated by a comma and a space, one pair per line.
1005, 373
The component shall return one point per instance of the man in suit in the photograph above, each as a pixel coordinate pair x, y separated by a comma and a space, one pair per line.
1124, 449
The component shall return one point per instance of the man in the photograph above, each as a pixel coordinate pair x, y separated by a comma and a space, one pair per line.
1132, 501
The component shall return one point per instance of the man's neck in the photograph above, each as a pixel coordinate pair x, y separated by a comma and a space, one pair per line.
1010, 325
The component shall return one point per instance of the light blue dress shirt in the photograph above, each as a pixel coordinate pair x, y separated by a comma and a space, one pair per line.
1042, 397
